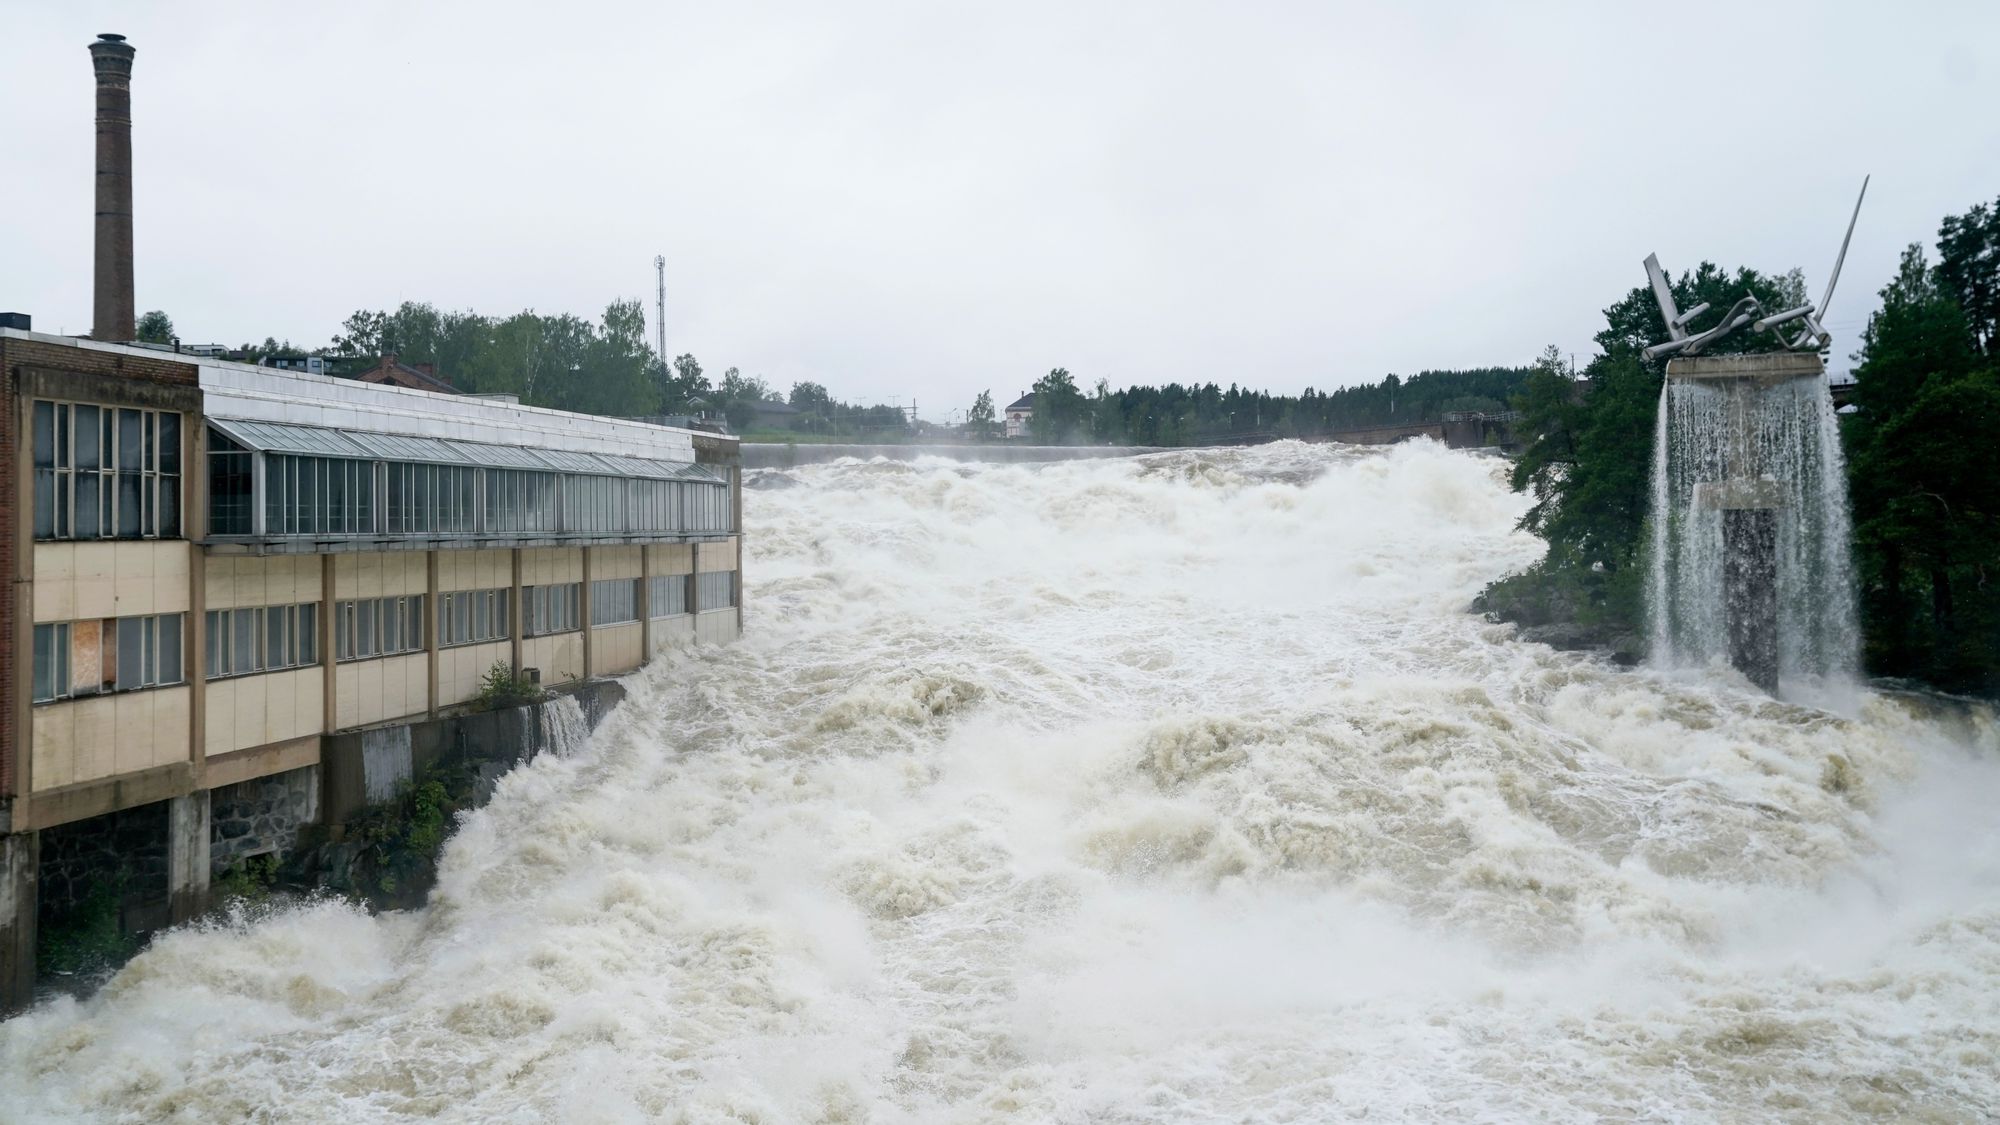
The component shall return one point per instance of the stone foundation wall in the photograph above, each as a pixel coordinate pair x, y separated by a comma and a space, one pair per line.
126, 850
263, 816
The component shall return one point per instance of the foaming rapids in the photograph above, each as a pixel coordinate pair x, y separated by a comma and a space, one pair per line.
1172, 788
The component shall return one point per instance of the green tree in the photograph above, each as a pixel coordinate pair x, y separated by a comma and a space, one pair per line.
1969, 269
1059, 413
980, 421
1925, 488
156, 327
809, 398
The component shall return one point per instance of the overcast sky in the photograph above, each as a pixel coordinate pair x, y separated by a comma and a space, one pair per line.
926, 200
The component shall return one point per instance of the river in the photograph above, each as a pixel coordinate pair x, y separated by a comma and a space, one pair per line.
1175, 788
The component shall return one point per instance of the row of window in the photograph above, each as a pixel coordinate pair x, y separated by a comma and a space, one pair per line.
75, 658
717, 588
551, 609
371, 627
261, 639
472, 616
614, 601
106, 472
325, 496
120, 654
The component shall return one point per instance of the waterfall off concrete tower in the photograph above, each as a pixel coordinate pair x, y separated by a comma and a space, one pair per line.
1749, 560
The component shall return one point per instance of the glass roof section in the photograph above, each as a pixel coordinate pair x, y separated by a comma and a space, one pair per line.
320, 441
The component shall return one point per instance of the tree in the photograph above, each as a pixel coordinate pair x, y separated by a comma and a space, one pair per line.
1969, 269
1926, 491
685, 385
362, 335
156, 327
979, 421
1059, 415
809, 398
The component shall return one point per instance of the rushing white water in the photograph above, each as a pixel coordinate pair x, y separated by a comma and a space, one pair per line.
1170, 789
1786, 438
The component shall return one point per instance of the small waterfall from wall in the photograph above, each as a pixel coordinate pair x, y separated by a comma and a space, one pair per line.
560, 726
1735, 462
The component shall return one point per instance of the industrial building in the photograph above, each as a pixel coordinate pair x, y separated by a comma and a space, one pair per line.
215, 567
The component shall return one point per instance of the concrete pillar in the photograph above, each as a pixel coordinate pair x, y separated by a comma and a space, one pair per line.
1750, 592
1749, 497
583, 609
432, 615
187, 856
20, 862
518, 612
646, 604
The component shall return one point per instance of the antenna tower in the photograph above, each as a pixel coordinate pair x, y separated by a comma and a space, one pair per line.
660, 267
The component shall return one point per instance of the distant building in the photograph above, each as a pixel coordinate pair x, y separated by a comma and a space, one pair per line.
1020, 413
773, 415
293, 361
416, 376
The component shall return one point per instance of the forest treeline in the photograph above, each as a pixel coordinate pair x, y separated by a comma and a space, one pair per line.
1191, 415
1922, 476
607, 366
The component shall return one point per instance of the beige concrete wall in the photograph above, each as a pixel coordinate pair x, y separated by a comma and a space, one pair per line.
616, 649
559, 656
718, 556
372, 691
242, 580
460, 668
614, 562
672, 558
246, 711
379, 575
79, 581
106, 735
677, 630
475, 570
550, 566
716, 626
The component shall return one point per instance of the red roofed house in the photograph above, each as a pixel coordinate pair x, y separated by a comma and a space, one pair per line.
419, 376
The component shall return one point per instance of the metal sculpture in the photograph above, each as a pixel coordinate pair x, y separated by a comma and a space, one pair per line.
1811, 337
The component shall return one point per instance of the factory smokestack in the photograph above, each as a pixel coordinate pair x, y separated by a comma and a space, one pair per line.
111, 316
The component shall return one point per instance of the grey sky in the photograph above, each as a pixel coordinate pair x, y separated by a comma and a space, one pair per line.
932, 199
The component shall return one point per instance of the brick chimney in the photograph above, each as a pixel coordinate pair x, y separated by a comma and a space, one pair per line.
112, 317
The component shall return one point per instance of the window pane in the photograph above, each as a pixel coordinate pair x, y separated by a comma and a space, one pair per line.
170, 648
45, 435
45, 651
170, 507
364, 638
277, 654
129, 507
45, 504
217, 641
131, 652
242, 641
308, 636
170, 443
87, 452
131, 446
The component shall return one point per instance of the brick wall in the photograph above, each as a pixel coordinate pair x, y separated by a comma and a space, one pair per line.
15, 356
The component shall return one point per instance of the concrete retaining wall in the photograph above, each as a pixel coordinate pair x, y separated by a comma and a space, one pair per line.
361, 768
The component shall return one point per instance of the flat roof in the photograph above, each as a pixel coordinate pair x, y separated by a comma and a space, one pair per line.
246, 392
